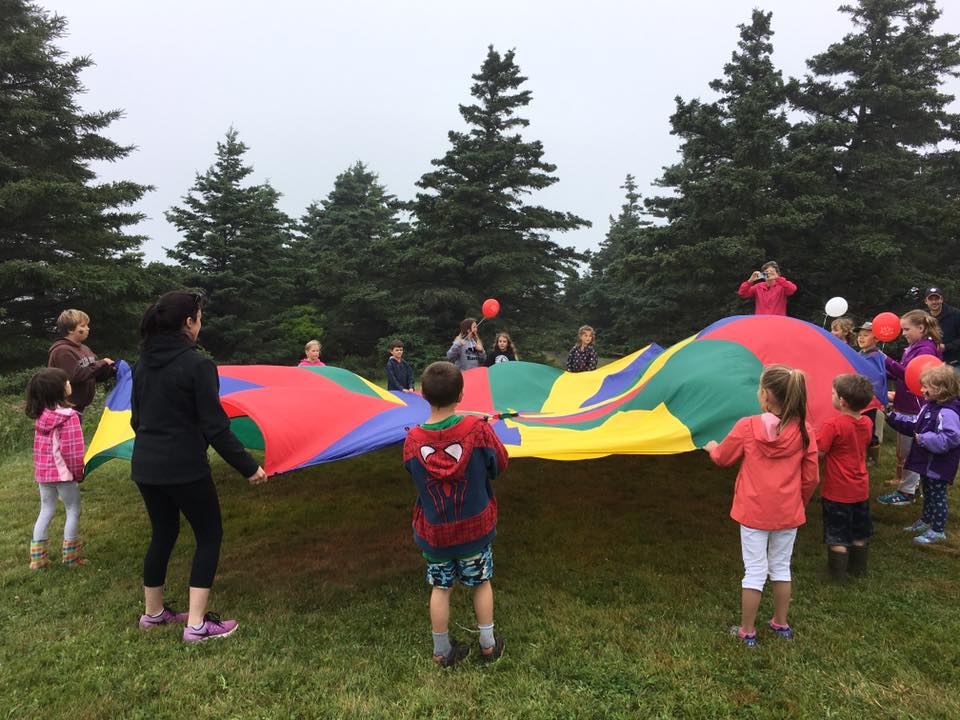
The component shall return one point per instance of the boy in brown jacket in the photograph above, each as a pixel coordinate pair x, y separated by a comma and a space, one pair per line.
77, 360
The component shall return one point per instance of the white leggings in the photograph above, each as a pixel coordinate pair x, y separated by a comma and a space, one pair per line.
766, 552
69, 492
911, 480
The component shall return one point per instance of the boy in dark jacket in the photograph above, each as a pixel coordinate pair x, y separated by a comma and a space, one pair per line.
452, 459
77, 360
399, 373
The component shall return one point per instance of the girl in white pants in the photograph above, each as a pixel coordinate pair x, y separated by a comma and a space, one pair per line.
777, 452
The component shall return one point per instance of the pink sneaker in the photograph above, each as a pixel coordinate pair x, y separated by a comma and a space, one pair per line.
167, 617
213, 627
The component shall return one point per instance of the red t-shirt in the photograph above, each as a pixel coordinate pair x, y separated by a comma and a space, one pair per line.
845, 440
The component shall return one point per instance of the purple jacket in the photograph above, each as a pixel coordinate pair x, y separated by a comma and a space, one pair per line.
906, 402
935, 452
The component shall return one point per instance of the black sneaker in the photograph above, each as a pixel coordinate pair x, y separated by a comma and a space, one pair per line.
458, 651
498, 645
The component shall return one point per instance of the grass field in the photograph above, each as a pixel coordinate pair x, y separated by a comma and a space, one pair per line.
616, 581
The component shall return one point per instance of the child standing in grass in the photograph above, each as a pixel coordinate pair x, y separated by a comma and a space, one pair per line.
311, 355
777, 452
57, 462
845, 494
922, 334
399, 372
583, 355
935, 453
452, 459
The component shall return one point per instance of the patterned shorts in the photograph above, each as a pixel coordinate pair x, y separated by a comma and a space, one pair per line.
470, 571
845, 522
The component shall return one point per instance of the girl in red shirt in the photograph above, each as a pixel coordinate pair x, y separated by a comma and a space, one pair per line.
778, 473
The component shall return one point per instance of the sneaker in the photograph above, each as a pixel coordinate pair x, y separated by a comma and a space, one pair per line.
458, 651
749, 640
896, 498
917, 528
784, 631
930, 537
496, 652
213, 627
169, 616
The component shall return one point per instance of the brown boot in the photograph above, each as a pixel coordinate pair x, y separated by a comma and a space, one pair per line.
873, 455
898, 478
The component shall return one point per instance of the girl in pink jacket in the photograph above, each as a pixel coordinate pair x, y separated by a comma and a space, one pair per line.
777, 452
57, 463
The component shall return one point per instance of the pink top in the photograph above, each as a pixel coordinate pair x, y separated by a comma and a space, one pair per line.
777, 474
311, 363
58, 446
769, 299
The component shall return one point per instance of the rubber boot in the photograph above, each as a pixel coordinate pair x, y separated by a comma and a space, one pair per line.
71, 553
38, 554
837, 566
857, 565
873, 454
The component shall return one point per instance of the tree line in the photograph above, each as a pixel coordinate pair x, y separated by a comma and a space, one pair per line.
847, 177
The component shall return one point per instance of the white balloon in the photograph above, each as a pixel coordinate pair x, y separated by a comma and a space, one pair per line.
836, 306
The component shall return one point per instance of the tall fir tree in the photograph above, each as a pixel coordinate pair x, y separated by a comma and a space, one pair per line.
63, 236
728, 210
879, 182
236, 248
349, 256
474, 234
607, 296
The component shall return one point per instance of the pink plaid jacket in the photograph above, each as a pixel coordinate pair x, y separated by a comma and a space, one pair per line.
58, 446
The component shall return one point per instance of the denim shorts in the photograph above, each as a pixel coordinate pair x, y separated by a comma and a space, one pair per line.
845, 522
470, 571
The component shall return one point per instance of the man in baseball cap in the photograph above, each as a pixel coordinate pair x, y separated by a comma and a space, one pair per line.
949, 319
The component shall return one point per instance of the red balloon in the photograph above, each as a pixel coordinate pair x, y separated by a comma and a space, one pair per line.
886, 326
491, 308
916, 367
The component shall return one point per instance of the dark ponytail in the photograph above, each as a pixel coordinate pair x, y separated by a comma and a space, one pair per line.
168, 314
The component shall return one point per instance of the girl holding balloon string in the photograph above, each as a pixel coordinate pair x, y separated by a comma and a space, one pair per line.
922, 333
467, 352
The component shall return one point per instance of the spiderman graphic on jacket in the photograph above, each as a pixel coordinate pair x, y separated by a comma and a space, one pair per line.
456, 510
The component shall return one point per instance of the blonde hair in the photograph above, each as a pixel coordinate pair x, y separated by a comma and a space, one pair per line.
510, 345
845, 326
69, 319
921, 318
312, 344
582, 330
942, 382
789, 388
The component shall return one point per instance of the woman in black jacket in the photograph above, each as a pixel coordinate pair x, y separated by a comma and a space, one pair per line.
176, 414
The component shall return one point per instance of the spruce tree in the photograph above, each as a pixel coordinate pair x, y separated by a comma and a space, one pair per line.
350, 257
236, 248
882, 192
475, 236
63, 237
728, 210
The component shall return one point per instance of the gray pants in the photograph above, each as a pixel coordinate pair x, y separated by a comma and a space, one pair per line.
908, 485
69, 493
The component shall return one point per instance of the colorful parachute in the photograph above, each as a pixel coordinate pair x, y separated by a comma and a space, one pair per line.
654, 401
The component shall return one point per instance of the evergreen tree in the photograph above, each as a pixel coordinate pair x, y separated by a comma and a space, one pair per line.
728, 211
608, 295
351, 259
236, 248
475, 237
883, 193
63, 241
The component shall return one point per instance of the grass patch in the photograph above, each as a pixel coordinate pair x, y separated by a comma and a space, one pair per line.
615, 582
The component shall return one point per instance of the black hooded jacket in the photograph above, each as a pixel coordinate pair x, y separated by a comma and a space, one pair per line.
176, 414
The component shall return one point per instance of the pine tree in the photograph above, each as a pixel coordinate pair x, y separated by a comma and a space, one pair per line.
728, 211
474, 235
63, 241
883, 193
350, 249
236, 248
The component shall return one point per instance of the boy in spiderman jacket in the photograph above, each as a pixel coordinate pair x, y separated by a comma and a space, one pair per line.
452, 459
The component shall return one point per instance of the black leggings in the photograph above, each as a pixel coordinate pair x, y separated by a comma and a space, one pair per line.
199, 503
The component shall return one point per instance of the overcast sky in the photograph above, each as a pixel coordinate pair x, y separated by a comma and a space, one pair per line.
313, 87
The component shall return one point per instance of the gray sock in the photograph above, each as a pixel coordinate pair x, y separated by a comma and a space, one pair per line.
486, 636
441, 644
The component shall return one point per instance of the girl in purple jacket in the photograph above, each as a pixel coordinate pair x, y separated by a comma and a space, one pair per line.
922, 333
935, 454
